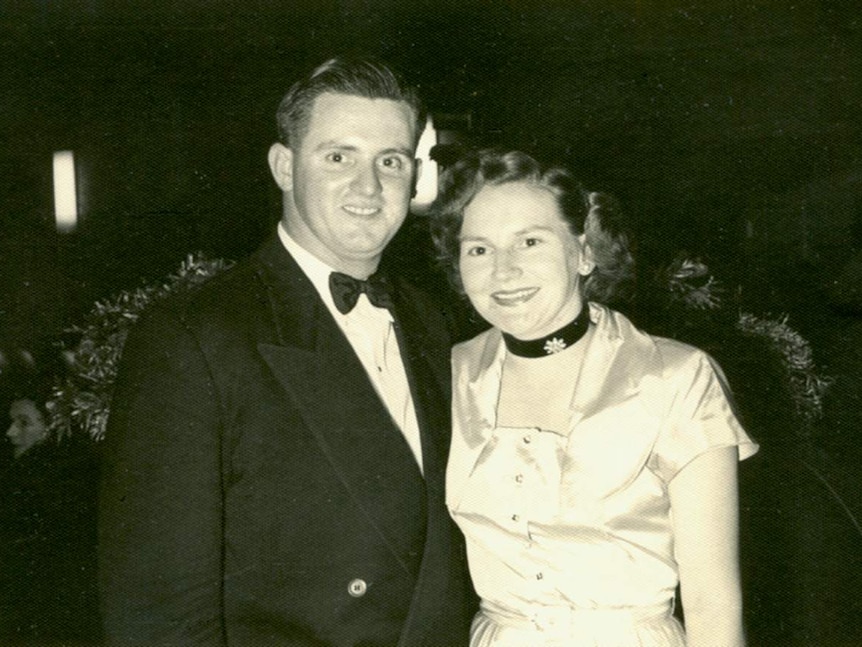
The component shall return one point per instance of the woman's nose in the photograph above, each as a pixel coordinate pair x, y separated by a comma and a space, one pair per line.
506, 265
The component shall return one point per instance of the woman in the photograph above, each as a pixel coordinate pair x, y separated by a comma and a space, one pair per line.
593, 467
28, 427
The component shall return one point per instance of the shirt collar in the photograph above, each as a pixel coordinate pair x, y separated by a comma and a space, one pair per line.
318, 273
314, 268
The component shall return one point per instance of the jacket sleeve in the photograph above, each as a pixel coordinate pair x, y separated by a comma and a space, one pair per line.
160, 517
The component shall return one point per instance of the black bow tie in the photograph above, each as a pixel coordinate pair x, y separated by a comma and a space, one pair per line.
346, 290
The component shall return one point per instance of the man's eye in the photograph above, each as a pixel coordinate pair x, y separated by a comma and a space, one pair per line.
531, 242
393, 163
335, 158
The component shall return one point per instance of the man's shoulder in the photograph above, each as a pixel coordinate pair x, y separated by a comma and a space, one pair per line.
443, 307
230, 288
231, 298
429, 311
420, 298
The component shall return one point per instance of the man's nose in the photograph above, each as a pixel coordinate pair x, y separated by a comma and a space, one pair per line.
367, 181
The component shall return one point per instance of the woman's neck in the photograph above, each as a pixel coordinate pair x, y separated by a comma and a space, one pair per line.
538, 391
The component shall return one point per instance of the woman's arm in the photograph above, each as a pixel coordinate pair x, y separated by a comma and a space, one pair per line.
704, 506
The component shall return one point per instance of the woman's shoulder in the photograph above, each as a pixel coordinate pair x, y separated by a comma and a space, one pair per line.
472, 359
677, 354
673, 353
472, 350
677, 365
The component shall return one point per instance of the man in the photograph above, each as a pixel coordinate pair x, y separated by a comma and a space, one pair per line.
275, 452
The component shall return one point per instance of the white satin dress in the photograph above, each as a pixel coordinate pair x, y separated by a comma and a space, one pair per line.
569, 536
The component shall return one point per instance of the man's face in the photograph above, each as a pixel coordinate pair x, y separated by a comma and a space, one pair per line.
349, 181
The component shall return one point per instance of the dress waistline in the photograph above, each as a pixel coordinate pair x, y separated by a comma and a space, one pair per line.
568, 619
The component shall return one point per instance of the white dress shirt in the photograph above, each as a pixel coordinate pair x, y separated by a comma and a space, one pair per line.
370, 331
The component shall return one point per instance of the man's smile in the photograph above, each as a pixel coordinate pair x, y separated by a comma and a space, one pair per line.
360, 211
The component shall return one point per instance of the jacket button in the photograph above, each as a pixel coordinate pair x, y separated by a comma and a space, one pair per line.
357, 588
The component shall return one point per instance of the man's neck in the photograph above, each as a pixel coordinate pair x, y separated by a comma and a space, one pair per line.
358, 268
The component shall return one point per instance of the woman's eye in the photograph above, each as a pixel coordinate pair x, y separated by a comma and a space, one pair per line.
476, 250
531, 242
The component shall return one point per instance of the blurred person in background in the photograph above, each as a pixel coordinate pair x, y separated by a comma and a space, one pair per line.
47, 529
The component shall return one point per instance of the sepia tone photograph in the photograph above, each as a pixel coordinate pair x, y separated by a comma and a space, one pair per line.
430, 323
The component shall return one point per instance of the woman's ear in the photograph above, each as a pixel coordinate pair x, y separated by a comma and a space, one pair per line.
281, 166
588, 263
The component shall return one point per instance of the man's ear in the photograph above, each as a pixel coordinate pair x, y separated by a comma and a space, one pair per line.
281, 166
417, 173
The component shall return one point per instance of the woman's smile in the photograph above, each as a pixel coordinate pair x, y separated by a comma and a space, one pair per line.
511, 298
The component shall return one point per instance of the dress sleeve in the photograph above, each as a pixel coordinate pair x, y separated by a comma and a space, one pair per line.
700, 417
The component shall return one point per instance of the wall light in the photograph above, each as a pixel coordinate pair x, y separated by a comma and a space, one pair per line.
426, 188
65, 193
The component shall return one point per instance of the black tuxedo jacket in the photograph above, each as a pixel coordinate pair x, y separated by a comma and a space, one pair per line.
257, 492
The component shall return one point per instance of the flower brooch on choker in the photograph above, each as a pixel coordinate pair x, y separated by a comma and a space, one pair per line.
551, 344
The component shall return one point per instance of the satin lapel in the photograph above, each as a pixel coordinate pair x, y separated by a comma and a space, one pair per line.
318, 370
616, 361
478, 373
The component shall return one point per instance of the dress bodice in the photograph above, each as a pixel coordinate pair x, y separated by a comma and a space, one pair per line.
581, 520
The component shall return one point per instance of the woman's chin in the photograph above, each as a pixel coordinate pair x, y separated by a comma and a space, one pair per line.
522, 331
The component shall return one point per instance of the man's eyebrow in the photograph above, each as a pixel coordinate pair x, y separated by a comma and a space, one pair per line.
332, 143
407, 152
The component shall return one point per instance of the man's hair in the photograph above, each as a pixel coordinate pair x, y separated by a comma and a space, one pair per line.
361, 77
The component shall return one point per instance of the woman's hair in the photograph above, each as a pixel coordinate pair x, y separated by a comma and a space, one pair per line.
595, 214
33, 387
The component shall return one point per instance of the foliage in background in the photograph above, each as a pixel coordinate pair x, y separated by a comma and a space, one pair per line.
690, 284
695, 298
807, 386
692, 300
81, 400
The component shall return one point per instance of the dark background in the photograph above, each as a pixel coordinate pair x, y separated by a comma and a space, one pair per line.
730, 130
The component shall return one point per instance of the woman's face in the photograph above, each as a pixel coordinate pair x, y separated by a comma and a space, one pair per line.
28, 426
520, 263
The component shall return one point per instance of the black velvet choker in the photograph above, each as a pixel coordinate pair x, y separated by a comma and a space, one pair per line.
553, 343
